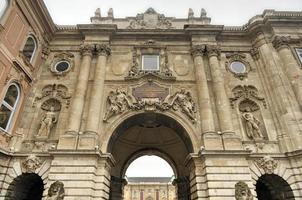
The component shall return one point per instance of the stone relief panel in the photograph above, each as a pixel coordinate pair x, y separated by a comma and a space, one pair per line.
56, 191
182, 64
150, 97
242, 191
268, 164
30, 164
120, 62
150, 20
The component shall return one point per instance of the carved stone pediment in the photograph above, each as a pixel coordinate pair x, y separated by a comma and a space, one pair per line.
150, 20
150, 97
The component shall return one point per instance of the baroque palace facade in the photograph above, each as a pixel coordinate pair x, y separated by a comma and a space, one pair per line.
222, 105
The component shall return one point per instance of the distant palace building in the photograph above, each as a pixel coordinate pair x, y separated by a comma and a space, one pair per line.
151, 188
221, 104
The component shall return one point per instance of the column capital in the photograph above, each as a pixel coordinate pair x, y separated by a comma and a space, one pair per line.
213, 50
103, 49
198, 50
255, 53
87, 49
280, 42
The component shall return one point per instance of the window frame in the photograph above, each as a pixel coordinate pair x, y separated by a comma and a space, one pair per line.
11, 108
299, 50
157, 61
35, 48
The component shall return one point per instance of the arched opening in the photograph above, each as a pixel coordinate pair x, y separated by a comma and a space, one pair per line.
273, 187
150, 134
28, 186
30, 48
149, 177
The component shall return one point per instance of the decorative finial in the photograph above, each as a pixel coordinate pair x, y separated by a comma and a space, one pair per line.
190, 13
110, 13
203, 13
97, 12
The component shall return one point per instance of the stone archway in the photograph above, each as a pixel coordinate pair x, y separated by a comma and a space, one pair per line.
28, 186
145, 134
273, 187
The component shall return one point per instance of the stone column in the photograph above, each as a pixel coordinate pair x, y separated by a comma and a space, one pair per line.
290, 65
230, 140
88, 140
211, 139
287, 107
68, 140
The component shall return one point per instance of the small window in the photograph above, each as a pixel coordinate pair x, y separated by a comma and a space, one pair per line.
299, 53
62, 66
238, 67
8, 106
150, 62
30, 48
3, 6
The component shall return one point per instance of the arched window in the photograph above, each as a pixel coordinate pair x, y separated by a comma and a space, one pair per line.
3, 6
9, 105
30, 48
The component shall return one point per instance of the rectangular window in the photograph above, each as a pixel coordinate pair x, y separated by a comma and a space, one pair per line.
150, 62
299, 53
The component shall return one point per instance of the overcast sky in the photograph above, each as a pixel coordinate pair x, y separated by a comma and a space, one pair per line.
149, 166
223, 12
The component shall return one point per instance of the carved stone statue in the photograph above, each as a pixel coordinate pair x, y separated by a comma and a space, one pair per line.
190, 14
118, 103
242, 191
30, 164
110, 13
56, 191
252, 126
47, 122
184, 100
268, 164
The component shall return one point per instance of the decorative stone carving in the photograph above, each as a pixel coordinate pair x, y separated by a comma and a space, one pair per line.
281, 41
242, 191
203, 13
198, 50
56, 191
255, 53
252, 126
54, 95
248, 93
135, 71
45, 52
48, 120
110, 13
87, 49
103, 49
30, 164
268, 164
212, 50
150, 20
241, 58
190, 13
65, 56
119, 102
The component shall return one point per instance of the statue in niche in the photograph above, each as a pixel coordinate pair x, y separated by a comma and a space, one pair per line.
184, 100
252, 125
56, 191
47, 122
242, 191
118, 103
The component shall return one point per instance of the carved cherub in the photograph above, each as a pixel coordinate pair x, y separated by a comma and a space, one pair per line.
184, 100
252, 126
118, 102
47, 122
